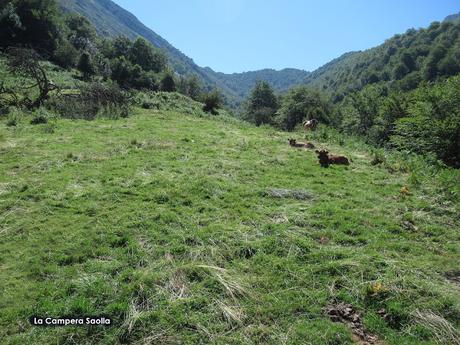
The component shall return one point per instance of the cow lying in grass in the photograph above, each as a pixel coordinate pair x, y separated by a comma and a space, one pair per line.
325, 159
305, 145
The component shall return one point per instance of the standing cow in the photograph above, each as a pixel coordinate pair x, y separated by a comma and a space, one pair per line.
310, 124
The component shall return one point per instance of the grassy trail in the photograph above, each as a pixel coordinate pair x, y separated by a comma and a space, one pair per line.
189, 230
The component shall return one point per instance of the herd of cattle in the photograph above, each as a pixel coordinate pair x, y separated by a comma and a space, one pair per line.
325, 159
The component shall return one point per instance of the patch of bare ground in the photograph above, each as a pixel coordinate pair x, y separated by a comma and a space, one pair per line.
346, 314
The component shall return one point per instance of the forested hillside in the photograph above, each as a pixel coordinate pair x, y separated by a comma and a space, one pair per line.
111, 20
402, 94
401, 63
242, 83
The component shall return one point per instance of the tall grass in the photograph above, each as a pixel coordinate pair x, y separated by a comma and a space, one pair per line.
425, 172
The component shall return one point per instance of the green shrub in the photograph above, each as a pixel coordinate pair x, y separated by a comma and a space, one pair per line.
12, 121
433, 124
66, 55
93, 100
168, 83
39, 119
262, 104
13, 115
378, 157
212, 102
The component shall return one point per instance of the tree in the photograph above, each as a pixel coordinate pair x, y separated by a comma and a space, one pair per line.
450, 64
408, 60
433, 122
431, 69
167, 82
141, 79
142, 53
262, 104
10, 25
212, 102
359, 110
120, 47
194, 88
182, 85
400, 71
390, 109
26, 62
85, 65
302, 103
81, 32
66, 54
123, 71
190, 86
30, 23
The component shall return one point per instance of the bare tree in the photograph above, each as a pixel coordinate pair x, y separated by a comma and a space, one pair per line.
26, 62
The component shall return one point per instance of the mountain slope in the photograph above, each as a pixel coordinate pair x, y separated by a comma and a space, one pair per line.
242, 83
112, 20
401, 62
453, 18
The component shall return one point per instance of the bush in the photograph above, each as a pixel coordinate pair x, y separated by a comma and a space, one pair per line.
212, 102
128, 75
145, 80
13, 114
169, 101
66, 55
41, 116
168, 84
93, 100
86, 66
378, 157
12, 121
433, 124
37, 120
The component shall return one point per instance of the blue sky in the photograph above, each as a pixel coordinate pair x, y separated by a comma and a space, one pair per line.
244, 35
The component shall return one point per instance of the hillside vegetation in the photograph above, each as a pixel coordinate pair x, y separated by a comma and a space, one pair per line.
401, 95
198, 229
128, 191
401, 63
111, 20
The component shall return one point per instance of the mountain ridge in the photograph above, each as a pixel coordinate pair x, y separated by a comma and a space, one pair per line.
112, 20
401, 60
453, 17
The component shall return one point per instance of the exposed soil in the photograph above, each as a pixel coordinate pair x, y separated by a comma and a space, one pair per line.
346, 314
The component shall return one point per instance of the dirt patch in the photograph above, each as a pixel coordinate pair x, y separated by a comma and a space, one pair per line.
453, 277
345, 313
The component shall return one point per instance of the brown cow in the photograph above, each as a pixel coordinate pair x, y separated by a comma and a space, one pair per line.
310, 124
325, 159
306, 145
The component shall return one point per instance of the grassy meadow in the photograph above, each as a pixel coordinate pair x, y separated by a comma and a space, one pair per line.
207, 230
